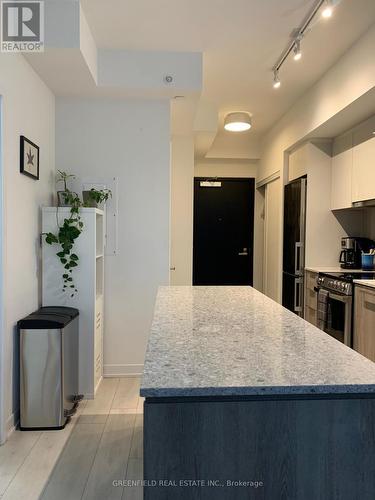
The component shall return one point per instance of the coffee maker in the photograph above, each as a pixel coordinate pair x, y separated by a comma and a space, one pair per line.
351, 251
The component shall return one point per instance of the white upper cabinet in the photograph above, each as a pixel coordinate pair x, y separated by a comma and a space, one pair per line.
342, 164
364, 161
353, 166
364, 171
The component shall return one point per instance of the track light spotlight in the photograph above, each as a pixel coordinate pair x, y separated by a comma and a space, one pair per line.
297, 50
327, 10
276, 80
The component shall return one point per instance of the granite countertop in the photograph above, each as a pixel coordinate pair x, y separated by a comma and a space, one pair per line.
369, 283
235, 341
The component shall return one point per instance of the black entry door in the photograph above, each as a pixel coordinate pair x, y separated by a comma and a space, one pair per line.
223, 232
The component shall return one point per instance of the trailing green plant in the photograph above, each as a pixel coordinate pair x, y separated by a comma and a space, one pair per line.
70, 230
65, 237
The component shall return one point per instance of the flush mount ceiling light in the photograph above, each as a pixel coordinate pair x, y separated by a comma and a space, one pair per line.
239, 121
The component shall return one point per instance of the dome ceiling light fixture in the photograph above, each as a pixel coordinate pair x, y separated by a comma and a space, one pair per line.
325, 9
239, 121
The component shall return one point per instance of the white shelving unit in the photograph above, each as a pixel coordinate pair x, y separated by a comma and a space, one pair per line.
89, 280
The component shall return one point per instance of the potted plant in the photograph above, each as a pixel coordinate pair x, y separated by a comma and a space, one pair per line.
65, 198
65, 237
70, 229
95, 197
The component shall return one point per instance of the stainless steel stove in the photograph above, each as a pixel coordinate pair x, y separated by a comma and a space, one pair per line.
328, 282
341, 282
335, 303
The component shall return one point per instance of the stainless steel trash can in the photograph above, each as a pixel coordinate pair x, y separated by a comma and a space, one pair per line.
48, 368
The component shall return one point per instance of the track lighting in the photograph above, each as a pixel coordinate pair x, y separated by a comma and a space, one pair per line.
328, 9
322, 8
276, 80
297, 50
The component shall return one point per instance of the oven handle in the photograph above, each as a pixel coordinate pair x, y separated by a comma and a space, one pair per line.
340, 298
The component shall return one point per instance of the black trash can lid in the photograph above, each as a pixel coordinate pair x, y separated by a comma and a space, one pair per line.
48, 318
65, 311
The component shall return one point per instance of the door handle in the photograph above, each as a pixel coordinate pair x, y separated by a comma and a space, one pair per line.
297, 258
297, 295
244, 252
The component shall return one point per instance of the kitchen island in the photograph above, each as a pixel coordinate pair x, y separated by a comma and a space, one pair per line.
246, 400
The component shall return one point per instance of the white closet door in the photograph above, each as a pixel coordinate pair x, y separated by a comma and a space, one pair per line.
272, 235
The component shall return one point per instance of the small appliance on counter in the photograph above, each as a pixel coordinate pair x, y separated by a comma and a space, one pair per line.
368, 260
351, 251
48, 368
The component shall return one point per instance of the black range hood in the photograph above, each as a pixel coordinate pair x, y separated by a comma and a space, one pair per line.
364, 203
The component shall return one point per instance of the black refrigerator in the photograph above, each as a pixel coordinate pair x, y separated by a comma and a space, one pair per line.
294, 244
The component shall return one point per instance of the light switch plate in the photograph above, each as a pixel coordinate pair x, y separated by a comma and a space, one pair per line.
110, 210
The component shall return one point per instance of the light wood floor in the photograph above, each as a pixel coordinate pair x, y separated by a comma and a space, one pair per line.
103, 444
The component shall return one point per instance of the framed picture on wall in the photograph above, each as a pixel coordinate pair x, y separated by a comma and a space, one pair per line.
29, 158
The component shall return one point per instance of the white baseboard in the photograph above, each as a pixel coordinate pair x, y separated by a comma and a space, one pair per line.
98, 384
122, 370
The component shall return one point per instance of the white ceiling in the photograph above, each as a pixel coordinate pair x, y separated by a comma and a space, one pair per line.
240, 40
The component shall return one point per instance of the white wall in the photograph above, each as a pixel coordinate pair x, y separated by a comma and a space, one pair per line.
182, 174
128, 139
28, 109
226, 168
259, 222
351, 77
272, 217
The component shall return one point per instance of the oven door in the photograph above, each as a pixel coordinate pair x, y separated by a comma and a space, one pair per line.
339, 317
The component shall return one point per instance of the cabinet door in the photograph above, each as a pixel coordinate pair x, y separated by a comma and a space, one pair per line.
311, 315
341, 191
310, 298
364, 322
364, 171
310, 277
